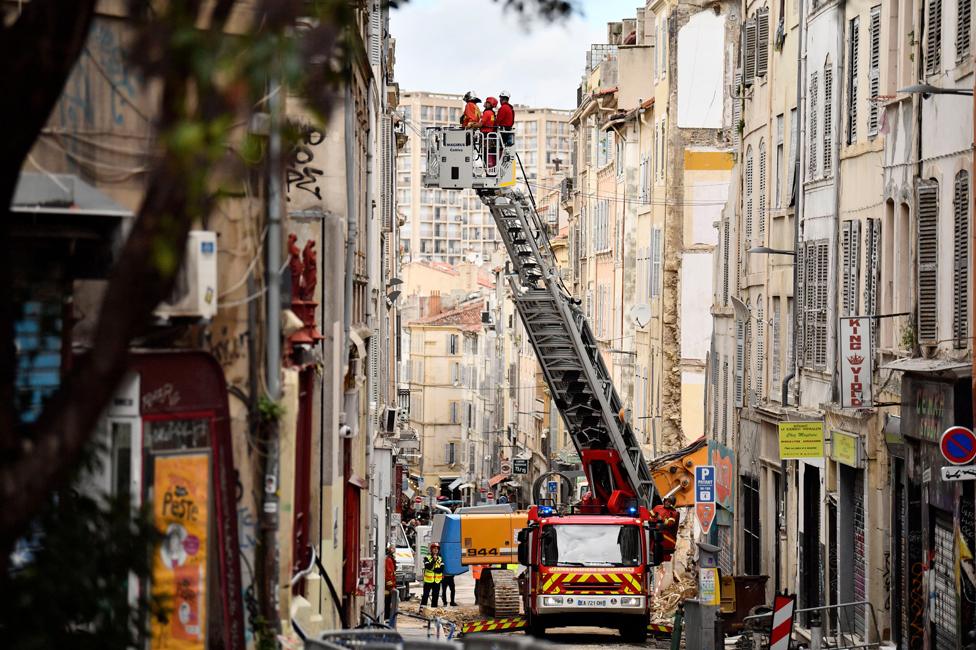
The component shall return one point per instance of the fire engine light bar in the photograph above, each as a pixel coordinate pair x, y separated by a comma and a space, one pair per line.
632, 511
546, 511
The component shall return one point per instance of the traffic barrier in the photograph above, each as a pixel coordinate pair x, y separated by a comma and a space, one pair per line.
494, 625
658, 629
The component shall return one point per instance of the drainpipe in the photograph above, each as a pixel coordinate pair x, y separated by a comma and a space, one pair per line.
273, 306
352, 223
373, 368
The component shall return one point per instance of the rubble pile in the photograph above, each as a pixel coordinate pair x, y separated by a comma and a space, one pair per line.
457, 615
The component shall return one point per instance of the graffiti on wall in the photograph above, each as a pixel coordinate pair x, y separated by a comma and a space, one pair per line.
303, 172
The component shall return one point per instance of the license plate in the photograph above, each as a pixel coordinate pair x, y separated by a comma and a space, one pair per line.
591, 602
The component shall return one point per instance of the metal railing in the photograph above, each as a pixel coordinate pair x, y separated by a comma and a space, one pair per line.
830, 627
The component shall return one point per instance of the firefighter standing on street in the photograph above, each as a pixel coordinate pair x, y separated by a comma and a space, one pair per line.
505, 119
471, 116
391, 587
667, 518
433, 574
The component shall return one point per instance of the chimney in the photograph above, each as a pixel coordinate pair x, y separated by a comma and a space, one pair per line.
434, 303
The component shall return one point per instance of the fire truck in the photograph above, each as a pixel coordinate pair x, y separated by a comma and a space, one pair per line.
589, 564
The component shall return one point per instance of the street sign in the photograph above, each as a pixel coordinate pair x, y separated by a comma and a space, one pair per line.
967, 473
782, 628
520, 466
705, 496
418, 500
506, 467
958, 445
552, 487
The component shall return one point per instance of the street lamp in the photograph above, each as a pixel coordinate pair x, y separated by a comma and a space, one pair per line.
927, 90
766, 250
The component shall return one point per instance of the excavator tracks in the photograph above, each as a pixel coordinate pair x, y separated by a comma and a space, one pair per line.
499, 594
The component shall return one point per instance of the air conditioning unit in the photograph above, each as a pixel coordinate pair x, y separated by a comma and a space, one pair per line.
390, 416
195, 292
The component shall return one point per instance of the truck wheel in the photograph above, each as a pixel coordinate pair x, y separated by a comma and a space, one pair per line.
635, 632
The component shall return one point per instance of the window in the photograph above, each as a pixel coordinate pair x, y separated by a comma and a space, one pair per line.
874, 71
775, 357
780, 158
749, 179
762, 193
850, 239
450, 453
751, 526
725, 399
960, 260
713, 360
760, 348
656, 237
455, 373
725, 263
964, 13
762, 41
814, 277
794, 164
619, 157
828, 123
854, 43
645, 180
812, 118
452, 344
740, 353
933, 41
872, 272
927, 248
749, 38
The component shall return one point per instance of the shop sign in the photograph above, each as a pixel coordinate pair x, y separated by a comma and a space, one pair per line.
930, 408
520, 466
846, 448
181, 513
801, 440
855, 362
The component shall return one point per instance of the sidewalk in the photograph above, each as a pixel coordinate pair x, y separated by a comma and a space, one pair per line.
412, 628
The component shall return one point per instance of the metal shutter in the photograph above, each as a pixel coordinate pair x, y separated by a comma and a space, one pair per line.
933, 42
762, 41
828, 123
960, 260
761, 209
852, 70
874, 71
944, 618
928, 260
812, 126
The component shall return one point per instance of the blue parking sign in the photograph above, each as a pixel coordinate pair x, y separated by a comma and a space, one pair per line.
705, 484
553, 487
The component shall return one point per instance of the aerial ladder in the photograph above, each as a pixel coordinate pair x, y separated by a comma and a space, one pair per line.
591, 562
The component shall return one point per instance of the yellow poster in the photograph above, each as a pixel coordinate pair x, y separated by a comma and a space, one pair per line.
801, 440
180, 510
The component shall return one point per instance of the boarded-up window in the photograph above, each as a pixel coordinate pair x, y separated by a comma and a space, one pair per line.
960, 260
927, 246
812, 119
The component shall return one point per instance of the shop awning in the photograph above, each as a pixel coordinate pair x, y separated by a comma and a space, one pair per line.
358, 481
62, 194
916, 364
466, 486
496, 479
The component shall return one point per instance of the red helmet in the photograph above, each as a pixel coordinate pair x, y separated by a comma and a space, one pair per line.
492, 102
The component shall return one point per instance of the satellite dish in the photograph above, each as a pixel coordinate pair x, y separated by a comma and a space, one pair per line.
641, 315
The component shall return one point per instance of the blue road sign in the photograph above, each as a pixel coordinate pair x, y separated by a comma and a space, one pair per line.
553, 487
705, 484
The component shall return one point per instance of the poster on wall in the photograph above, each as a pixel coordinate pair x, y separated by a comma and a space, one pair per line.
181, 491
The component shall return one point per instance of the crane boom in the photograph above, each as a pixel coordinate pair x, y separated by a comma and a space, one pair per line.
574, 370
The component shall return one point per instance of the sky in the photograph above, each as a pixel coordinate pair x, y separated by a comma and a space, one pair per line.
453, 46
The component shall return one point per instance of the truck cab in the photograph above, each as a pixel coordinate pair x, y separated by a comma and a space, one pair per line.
587, 569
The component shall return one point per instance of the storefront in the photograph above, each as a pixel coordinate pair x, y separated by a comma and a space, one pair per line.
934, 521
169, 434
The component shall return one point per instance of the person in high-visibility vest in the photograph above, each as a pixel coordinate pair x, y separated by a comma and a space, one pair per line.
667, 518
433, 574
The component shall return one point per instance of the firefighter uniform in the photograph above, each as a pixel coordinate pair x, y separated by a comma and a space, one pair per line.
667, 518
433, 574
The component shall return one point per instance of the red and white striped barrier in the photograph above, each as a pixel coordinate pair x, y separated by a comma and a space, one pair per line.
782, 628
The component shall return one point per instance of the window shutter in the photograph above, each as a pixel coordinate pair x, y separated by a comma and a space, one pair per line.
375, 33
964, 13
852, 70
777, 341
749, 179
960, 259
713, 359
828, 124
874, 71
656, 263
750, 34
760, 348
928, 260
850, 265
725, 397
387, 199
933, 44
737, 111
762, 41
812, 119
762, 194
823, 276
872, 274
750, 394
740, 333
725, 263
800, 302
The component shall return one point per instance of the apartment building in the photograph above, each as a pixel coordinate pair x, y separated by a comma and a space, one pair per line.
843, 300
450, 226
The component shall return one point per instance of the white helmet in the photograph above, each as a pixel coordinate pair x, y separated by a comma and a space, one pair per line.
504, 94
471, 96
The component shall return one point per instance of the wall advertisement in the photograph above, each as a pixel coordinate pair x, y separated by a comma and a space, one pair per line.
801, 440
181, 488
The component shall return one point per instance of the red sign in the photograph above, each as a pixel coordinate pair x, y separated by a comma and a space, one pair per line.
418, 499
491, 495
958, 445
706, 515
855, 362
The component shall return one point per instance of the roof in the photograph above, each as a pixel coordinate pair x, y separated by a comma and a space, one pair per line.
466, 317
437, 266
62, 194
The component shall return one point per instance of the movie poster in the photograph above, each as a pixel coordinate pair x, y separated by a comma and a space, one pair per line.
180, 509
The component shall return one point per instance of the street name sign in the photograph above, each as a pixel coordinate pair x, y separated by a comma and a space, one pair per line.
958, 445
705, 496
967, 473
